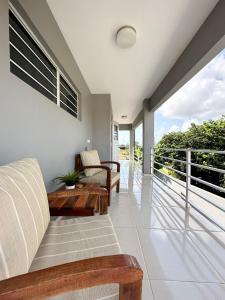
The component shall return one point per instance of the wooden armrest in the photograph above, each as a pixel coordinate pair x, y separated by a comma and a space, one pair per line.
112, 162
122, 269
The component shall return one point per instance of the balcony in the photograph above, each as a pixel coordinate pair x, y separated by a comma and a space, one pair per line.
69, 83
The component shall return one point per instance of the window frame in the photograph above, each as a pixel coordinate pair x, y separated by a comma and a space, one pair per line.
59, 72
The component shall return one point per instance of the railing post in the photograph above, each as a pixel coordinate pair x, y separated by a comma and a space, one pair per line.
188, 176
152, 161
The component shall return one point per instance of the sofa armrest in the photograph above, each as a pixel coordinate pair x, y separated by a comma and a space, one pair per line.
112, 162
121, 269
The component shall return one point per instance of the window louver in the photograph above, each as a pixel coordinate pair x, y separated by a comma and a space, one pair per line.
68, 97
28, 61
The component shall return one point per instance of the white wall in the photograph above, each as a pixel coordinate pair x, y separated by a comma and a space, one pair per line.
30, 124
102, 125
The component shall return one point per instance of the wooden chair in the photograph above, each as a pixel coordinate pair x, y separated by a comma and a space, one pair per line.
106, 177
41, 258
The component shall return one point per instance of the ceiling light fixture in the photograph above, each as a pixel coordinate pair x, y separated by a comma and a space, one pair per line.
126, 36
124, 116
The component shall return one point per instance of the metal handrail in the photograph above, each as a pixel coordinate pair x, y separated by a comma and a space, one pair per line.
193, 164
183, 185
208, 151
194, 150
195, 207
208, 168
173, 159
210, 202
170, 187
170, 168
221, 189
138, 158
187, 183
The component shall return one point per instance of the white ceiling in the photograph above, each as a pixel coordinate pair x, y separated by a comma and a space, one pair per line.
164, 28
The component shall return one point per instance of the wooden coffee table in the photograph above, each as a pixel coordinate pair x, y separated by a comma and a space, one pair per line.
79, 201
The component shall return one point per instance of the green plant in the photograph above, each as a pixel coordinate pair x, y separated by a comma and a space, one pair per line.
70, 178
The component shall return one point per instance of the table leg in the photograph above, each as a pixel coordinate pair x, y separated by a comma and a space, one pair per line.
103, 204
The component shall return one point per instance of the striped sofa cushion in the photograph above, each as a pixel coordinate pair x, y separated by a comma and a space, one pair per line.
75, 239
24, 215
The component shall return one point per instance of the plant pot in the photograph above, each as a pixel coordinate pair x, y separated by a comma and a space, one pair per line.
70, 187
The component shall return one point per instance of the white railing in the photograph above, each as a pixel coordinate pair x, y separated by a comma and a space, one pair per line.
187, 161
139, 157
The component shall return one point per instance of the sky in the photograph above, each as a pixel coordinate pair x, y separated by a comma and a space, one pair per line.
201, 98
124, 136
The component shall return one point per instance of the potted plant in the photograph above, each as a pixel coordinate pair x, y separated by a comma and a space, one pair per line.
69, 179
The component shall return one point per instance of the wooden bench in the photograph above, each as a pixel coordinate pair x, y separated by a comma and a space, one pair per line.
76, 258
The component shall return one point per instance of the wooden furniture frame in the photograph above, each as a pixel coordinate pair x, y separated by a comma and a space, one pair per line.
79, 167
121, 269
79, 201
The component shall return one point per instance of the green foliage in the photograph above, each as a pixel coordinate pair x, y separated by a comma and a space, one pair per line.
209, 135
168, 172
70, 178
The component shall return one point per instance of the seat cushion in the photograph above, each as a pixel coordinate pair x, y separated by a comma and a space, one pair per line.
24, 215
90, 158
100, 178
76, 239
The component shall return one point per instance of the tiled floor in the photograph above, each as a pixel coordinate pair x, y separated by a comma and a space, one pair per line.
182, 254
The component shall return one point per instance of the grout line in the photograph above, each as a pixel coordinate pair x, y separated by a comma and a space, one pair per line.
190, 281
148, 275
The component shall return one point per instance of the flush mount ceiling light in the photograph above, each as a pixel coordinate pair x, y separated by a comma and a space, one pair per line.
124, 116
126, 37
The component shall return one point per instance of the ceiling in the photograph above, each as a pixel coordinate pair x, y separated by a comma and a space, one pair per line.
164, 28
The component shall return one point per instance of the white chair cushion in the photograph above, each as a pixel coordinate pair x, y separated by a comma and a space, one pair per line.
76, 239
90, 158
24, 216
100, 178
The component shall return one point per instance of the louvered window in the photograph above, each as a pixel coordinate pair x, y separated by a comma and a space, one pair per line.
30, 62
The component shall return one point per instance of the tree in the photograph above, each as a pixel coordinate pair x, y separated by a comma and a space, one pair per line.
209, 135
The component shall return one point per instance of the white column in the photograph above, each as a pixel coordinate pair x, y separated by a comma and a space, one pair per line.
148, 137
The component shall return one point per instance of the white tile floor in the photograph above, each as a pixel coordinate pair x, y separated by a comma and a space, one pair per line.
182, 255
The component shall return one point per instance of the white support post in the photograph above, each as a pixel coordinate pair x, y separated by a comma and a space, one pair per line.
148, 136
188, 176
